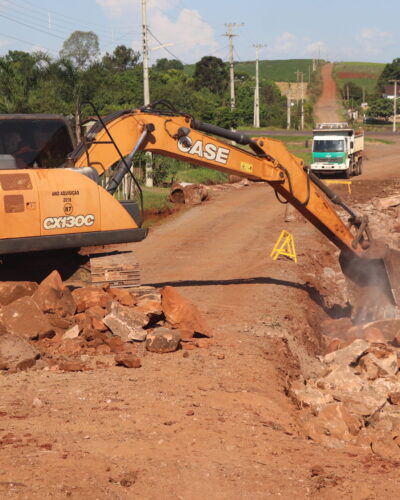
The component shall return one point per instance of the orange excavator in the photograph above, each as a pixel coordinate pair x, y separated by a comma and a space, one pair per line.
66, 207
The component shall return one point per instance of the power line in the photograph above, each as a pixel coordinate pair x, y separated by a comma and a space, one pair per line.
19, 40
31, 27
165, 48
39, 22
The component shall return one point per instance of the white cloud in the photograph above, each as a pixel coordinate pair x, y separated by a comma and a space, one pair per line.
285, 42
124, 8
374, 41
191, 36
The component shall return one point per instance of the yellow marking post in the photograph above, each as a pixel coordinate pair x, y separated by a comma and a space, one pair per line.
334, 181
284, 246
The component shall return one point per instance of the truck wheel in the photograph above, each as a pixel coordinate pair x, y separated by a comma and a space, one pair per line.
347, 173
359, 166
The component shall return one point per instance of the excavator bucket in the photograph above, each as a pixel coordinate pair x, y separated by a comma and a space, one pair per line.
376, 278
391, 260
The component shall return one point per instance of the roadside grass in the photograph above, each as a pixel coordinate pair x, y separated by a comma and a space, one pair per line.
155, 198
200, 175
376, 139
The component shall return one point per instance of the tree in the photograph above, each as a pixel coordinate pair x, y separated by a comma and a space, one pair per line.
19, 74
354, 92
121, 59
165, 64
211, 73
82, 48
379, 107
390, 72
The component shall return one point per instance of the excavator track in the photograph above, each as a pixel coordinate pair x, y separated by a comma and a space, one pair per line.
115, 265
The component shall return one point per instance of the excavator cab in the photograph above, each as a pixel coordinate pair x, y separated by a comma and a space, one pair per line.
35, 140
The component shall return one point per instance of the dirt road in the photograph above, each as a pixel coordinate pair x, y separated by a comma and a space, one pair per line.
326, 108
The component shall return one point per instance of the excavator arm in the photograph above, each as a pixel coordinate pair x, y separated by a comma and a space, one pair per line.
184, 138
180, 136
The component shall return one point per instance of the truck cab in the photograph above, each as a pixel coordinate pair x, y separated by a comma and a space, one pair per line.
337, 148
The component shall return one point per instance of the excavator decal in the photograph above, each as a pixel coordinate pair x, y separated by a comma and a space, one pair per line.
68, 221
207, 151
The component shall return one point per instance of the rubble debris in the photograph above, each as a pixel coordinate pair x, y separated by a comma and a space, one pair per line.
333, 422
72, 366
122, 296
128, 360
347, 355
24, 318
163, 340
53, 296
91, 296
182, 314
67, 329
16, 353
10, 291
127, 323
72, 333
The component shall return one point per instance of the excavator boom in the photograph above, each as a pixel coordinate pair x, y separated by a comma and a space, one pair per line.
189, 140
182, 137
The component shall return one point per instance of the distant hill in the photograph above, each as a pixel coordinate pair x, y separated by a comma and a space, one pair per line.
361, 73
278, 70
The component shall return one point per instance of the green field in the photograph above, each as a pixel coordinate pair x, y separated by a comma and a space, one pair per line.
277, 71
368, 81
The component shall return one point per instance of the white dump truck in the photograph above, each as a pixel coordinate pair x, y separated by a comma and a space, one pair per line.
337, 148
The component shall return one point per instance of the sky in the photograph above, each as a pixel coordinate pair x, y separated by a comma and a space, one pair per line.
340, 30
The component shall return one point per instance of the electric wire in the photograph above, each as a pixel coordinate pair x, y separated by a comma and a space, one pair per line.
165, 48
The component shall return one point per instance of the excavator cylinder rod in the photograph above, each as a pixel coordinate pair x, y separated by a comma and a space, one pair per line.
231, 135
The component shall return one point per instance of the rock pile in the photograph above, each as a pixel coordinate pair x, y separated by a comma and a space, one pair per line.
355, 396
49, 326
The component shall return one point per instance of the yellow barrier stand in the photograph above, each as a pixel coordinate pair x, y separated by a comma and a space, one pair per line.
333, 181
284, 246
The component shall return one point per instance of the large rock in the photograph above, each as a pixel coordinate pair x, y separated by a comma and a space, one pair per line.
126, 322
389, 201
341, 379
334, 421
163, 340
385, 358
182, 314
24, 318
53, 297
348, 355
128, 360
89, 297
122, 296
309, 396
386, 447
13, 290
364, 403
16, 353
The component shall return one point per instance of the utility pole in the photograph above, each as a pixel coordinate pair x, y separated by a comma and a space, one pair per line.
256, 121
146, 88
302, 102
230, 35
394, 103
289, 107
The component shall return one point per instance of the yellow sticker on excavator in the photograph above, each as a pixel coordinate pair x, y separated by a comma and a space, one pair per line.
246, 167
